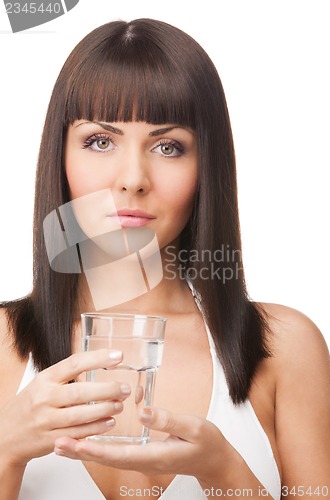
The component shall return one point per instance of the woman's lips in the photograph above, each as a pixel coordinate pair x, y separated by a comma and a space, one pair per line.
132, 217
132, 221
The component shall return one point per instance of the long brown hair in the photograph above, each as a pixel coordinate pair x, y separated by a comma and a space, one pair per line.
150, 71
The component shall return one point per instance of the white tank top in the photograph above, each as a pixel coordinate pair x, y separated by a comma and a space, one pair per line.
52, 477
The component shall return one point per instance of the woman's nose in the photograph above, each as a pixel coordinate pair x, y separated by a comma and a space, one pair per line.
133, 174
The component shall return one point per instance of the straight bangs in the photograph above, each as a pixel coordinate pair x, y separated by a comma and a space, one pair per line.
128, 82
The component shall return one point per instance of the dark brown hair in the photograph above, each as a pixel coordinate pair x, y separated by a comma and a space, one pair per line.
151, 71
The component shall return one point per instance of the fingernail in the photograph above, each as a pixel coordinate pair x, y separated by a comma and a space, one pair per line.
118, 406
110, 423
125, 389
146, 414
58, 451
115, 355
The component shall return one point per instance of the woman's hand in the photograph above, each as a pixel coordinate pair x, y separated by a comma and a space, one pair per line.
50, 407
194, 446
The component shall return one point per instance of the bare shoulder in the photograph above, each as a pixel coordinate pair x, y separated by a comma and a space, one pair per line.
295, 337
301, 371
300, 356
11, 366
8, 353
6, 337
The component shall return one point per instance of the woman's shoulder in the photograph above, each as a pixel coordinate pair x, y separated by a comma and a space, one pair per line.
295, 341
8, 352
11, 365
300, 371
288, 325
6, 337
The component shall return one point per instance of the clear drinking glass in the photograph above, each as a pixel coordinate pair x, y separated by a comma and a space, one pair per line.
141, 339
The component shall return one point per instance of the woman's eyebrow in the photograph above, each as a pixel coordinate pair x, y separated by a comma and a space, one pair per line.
106, 126
154, 133
110, 128
163, 130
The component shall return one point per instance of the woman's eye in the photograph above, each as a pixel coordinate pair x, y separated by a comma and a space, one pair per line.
169, 148
99, 143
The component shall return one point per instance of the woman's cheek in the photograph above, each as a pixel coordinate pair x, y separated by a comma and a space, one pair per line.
183, 193
84, 180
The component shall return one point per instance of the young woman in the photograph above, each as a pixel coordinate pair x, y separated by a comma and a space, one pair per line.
242, 398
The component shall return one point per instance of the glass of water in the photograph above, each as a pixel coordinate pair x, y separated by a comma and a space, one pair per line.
141, 340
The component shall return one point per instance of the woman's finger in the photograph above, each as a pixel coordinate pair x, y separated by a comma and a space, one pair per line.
187, 427
69, 368
79, 415
80, 450
87, 429
130, 457
84, 392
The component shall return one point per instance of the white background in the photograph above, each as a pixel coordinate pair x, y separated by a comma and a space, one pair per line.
273, 59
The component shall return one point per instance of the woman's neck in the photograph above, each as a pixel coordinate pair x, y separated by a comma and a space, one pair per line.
170, 296
145, 285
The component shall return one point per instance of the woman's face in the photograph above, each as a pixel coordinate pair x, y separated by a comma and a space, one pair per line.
150, 170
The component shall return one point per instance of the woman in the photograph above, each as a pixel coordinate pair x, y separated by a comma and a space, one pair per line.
139, 109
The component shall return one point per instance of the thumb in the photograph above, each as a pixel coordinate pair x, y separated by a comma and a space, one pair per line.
187, 427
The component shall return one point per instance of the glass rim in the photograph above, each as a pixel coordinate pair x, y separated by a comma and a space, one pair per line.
124, 316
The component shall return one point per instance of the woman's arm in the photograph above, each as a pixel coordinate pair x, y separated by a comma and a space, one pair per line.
11, 370
10, 480
31, 420
302, 412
